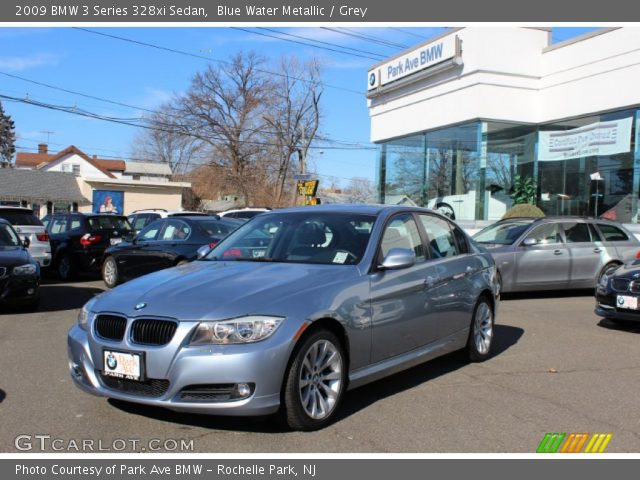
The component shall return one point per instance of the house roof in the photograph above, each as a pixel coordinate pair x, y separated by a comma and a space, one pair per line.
40, 186
41, 160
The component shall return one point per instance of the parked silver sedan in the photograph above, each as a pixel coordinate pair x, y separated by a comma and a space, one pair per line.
556, 252
288, 312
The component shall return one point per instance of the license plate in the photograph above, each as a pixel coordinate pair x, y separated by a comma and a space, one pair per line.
122, 365
624, 301
115, 241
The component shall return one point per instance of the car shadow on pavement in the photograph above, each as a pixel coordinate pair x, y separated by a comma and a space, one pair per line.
59, 297
3, 395
505, 337
585, 292
631, 327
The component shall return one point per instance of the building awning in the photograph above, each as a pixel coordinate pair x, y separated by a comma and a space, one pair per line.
37, 186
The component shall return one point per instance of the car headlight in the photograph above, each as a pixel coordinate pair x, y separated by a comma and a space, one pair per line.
86, 315
28, 269
248, 329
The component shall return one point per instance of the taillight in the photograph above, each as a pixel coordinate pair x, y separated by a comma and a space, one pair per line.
87, 239
638, 255
212, 244
232, 253
42, 237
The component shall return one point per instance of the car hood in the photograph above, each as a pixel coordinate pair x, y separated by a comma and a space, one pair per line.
218, 290
630, 271
13, 256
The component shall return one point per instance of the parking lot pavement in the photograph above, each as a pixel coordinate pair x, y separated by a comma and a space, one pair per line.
557, 368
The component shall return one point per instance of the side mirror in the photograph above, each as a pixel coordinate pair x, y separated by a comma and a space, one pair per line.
397, 259
529, 242
26, 242
202, 251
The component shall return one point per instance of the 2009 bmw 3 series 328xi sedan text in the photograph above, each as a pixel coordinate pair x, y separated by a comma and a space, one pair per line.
288, 312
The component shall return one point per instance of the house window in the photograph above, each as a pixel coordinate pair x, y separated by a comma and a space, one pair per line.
76, 170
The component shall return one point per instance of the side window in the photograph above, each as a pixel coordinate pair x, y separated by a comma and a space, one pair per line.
58, 225
175, 230
402, 232
546, 234
442, 241
576, 232
76, 222
594, 233
612, 234
461, 241
151, 232
138, 222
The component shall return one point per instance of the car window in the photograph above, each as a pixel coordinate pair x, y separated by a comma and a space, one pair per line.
8, 237
20, 217
576, 232
109, 222
402, 232
150, 232
175, 230
58, 225
215, 228
461, 241
546, 234
138, 222
594, 233
612, 233
442, 242
75, 223
502, 233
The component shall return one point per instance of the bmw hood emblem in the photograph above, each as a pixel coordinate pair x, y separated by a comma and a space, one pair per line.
140, 306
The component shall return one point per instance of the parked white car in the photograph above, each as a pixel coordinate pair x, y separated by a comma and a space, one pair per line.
26, 224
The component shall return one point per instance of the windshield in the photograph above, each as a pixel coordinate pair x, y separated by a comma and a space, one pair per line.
20, 217
302, 237
504, 233
8, 236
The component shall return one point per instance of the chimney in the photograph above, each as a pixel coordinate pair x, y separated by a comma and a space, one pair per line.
42, 148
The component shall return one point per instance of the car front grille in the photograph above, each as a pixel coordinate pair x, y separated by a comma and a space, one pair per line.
620, 284
152, 331
111, 327
150, 388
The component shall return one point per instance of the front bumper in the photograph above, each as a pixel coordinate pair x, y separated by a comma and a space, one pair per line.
16, 290
606, 307
176, 366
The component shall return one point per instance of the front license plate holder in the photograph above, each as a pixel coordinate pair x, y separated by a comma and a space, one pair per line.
124, 365
627, 302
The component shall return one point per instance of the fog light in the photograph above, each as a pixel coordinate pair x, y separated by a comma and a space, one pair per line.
31, 291
243, 389
77, 371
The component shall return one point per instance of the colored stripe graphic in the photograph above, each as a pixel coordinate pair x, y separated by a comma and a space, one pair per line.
573, 442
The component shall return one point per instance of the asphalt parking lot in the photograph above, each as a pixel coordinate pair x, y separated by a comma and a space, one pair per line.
556, 368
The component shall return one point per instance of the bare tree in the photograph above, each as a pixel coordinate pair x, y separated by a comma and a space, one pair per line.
360, 190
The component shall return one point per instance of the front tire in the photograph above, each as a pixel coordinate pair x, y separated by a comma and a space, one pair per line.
315, 382
481, 331
110, 274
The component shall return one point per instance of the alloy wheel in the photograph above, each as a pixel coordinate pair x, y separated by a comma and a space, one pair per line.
483, 328
320, 380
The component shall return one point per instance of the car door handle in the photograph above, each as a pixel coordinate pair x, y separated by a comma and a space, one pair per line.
558, 252
597, 250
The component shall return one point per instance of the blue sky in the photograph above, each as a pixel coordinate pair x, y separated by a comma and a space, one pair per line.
145, 77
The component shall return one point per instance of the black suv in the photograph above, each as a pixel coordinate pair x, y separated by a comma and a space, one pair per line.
78, 240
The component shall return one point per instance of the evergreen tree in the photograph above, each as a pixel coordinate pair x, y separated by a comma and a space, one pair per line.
7, 138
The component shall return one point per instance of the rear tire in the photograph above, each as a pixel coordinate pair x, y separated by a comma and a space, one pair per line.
315, 382
66, 268
481, 331
110, 274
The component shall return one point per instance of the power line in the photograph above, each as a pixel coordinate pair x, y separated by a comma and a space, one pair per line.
407, 32
209, 59
369, 57
362, 36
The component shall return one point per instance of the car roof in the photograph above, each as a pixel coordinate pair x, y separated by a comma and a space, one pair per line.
9, 207
360, 208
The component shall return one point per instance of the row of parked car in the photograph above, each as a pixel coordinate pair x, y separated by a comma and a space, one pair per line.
121, 247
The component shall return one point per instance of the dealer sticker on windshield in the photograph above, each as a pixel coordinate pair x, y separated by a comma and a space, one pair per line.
624, 301
122, 365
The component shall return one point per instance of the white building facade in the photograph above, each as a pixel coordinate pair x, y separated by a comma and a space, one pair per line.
460, 116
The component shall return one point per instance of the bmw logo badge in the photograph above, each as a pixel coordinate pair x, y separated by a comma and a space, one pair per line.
112, 363
620, 301
140, 306
372, 79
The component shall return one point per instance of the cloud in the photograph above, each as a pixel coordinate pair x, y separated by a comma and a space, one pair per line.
19, 64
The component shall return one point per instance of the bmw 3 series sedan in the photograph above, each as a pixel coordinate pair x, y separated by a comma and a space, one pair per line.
289, 312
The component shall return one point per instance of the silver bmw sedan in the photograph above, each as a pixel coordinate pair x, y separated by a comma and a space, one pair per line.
290, 311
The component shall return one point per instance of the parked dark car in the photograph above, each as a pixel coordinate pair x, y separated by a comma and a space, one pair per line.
162, 244
141, 218
618, 293
19, 271
78, 240
556, 252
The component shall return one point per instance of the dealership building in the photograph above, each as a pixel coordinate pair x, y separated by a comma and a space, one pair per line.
458, 117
